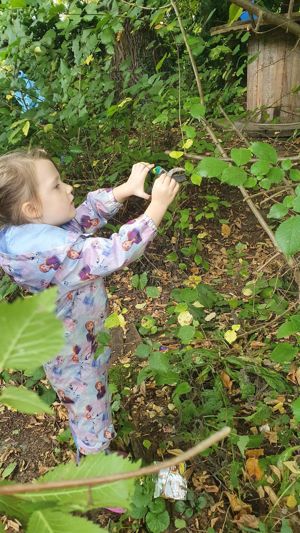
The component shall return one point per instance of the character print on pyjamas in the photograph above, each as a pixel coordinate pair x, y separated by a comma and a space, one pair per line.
71, 258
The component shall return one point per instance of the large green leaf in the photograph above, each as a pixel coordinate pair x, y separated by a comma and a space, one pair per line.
24, 400
260, 168
49, 521
211, 167
288, 236
284, 352
234, 176
240, 156
117, 494
30, 332
264, 151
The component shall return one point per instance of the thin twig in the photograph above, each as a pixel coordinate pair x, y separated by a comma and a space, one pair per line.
268, 261
27, 488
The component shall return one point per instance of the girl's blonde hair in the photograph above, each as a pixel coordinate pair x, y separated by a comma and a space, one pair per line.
18, 184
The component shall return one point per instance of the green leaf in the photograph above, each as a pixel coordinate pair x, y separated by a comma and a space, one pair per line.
184, 295
179, 523
241, 156
8, 470
197, 111
211, 167
234, 176
206, 295
30, 332
152, 292
143, 280
24, 400
278, 211
296, 204
275, 175
196, 179
295, 174
283, 353
286, 164
157, 523
186, 333
234, 13
285, 527
157, 506
117, 494
242, 443
264, 151
48, 521
260, 168
112, 321
288, 236
289, 327
142, 351
296, 409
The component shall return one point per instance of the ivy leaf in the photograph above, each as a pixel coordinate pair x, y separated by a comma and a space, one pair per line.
241, 156
284, 353
211, 167
264, 151
197, 111
277, 211
234, 176
24, 400
50, 521
288, 236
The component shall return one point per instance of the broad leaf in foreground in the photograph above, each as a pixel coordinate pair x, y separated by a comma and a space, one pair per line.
117, 494
24, 400
49, 521
30, 332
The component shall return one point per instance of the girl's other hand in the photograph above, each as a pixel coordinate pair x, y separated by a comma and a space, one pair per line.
136, 181
164, 190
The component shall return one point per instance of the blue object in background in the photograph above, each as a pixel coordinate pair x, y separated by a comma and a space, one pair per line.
246, 15
24, 99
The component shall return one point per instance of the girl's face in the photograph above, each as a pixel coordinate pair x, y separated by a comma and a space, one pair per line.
56, 197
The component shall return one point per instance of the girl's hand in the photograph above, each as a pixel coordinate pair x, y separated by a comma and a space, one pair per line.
136, 181
164, 190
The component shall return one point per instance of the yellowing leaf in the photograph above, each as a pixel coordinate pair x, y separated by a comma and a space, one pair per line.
26, 127
95, 162
176, 155
235, 327
291, 501
225, 230
8, 96
185, 318
89, 59
230, 336
141, 306
188, 143
210, 317
247, 292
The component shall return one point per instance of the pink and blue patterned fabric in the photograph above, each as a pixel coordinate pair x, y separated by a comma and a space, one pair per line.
37, 256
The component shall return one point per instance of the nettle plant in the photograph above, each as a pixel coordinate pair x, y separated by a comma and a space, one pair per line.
265, 173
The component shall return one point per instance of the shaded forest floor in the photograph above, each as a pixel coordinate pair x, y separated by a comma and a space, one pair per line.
148, 423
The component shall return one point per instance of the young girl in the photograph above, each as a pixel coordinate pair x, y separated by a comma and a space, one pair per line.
44, 241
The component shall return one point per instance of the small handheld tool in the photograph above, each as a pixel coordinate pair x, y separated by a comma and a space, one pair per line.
177, 173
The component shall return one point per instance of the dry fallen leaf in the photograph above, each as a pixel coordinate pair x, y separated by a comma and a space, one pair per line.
226, 380
247, 520
255, 453
270, 492
225, 230
236, 504
253, 468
